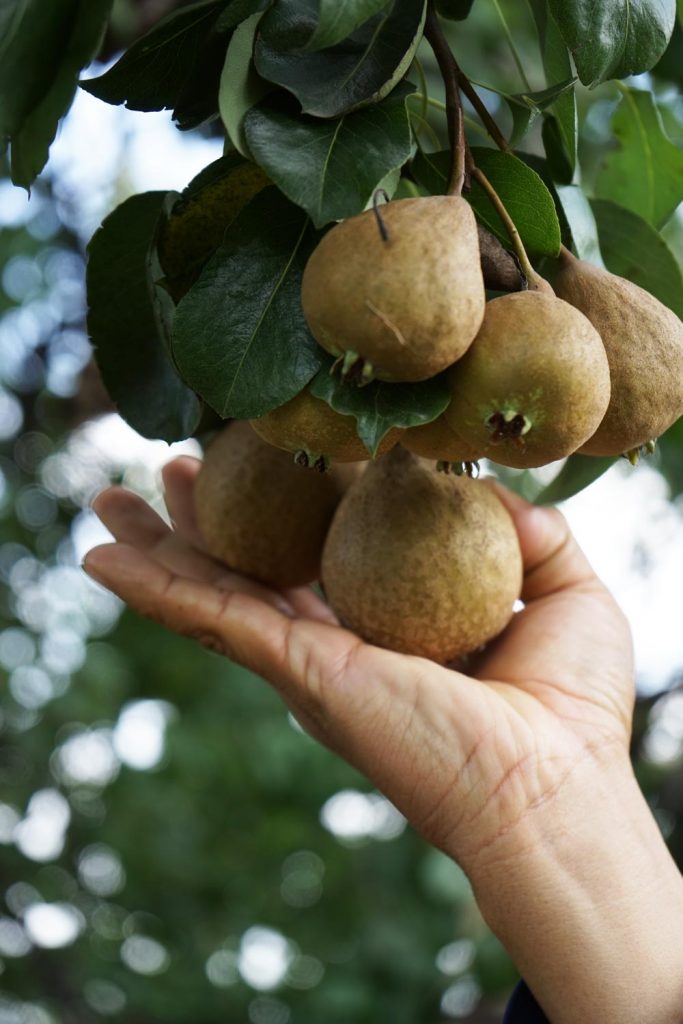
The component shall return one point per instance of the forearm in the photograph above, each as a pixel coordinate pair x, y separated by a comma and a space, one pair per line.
589, 903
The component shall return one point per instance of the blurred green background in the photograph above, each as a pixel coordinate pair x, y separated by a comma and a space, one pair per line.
172, 847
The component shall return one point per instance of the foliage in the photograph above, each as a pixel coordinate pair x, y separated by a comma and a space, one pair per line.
42, 51
315, 95
322, 103
321, 100
129, 337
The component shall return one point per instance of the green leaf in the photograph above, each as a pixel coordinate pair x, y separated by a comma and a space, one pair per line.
289, 24
559, 164
33, 37
578, 472
362, 69
581, 222
525, 198
632, 248
645, 172
670, 67
31, 143
378, 407
127, 315
457, 10
195, 226
430, 171
338, 20
614, 38
520, 188
562, 137
525, 107
240, 338
175, 66
237, 11
331, 168
241, 88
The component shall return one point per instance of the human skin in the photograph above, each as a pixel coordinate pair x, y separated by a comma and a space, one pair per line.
518, 770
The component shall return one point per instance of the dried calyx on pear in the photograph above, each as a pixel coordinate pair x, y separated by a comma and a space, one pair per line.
260, 513
644, 344
314, 431
397, 292
534, 385
422, 562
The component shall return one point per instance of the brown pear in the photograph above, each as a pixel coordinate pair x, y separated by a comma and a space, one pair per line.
401, 298
260, 513
437, 441
534, 385
644, 344
308, 425
421, 562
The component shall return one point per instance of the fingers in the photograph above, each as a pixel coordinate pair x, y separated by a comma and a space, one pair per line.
129, 518
179, 478
307, 603
392, 716
190, 606
236, 622
553, 561
134, 524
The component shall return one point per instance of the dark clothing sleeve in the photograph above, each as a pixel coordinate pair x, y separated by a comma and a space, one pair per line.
523, 1008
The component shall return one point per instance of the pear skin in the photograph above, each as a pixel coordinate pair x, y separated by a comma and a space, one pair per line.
407, 300
644, 344
307, 424
534, 385
437, 441
260, 513
422, 562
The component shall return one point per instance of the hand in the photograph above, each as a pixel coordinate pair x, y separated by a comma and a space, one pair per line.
519, 770
464, 758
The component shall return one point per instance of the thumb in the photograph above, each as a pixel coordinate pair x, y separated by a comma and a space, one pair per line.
553, 560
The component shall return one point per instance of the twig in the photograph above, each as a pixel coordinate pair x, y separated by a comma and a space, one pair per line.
454, 115
536, 282
438, 105
480, 107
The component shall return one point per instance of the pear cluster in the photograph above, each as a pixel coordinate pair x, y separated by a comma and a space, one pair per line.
423, 562
593, 364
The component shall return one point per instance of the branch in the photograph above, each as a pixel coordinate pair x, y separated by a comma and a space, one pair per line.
454, 115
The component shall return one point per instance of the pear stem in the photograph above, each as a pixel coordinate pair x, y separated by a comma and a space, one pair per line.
454, 115
536, 282
384, 234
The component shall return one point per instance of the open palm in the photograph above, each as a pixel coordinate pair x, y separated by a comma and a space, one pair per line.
464, 756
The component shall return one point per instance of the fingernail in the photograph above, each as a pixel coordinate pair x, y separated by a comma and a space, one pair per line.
90, 570
286, 608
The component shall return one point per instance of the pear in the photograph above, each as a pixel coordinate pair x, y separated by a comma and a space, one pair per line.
644, 344
402, 298
308, 425
260, 513
535, 383
437, 441
421, 562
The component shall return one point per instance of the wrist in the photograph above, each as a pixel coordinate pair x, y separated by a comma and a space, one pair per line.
588, 901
